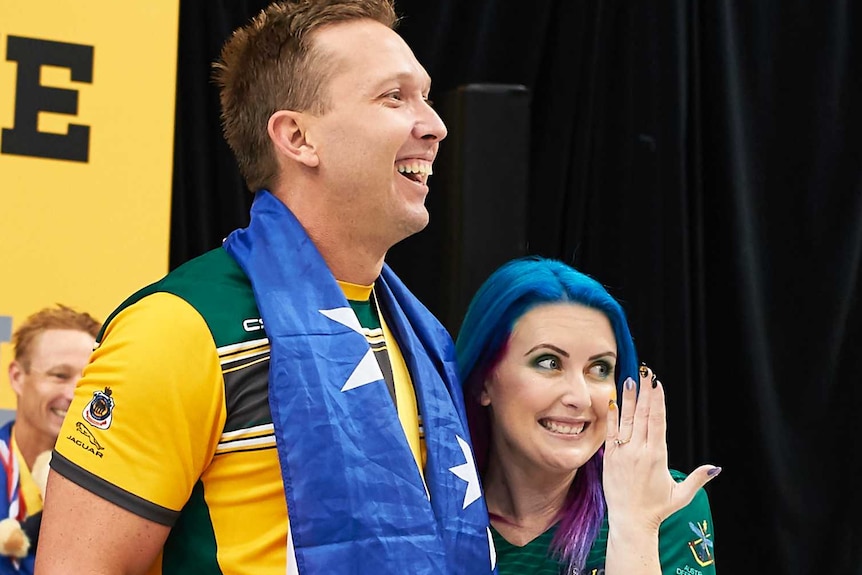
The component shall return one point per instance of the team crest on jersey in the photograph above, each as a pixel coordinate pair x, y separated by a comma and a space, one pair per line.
701, 547
99, 412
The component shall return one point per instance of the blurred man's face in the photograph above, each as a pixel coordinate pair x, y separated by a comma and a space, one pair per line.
45, 381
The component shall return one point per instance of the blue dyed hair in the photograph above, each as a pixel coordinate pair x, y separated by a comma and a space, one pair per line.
509, 293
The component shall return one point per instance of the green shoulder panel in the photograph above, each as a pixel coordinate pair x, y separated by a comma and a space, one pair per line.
218, 289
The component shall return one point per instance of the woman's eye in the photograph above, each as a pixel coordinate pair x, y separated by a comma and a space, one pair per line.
548, 362
602, 370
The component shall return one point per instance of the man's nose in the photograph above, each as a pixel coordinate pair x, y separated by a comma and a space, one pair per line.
430, 126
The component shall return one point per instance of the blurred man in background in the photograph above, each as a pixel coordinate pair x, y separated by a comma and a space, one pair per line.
51, 349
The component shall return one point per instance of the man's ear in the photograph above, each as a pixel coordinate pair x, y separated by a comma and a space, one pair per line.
16, 377
288, 131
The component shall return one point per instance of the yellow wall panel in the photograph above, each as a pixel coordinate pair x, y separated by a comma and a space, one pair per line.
87, 95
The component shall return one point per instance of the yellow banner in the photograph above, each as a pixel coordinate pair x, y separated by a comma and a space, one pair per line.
87, 95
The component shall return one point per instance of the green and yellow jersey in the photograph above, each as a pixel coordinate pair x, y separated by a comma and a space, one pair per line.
685, 545
171, 420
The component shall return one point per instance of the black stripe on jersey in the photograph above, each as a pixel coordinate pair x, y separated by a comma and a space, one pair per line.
244, 450
246, 394
244, 363
382, 357
128, 501
266, 432
236, 359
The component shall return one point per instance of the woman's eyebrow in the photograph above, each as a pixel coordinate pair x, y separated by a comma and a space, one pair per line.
605, 354
549, 346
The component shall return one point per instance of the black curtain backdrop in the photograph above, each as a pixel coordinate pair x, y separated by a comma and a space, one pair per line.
702, 159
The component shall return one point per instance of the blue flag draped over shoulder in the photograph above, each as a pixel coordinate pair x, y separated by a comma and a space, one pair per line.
356, 499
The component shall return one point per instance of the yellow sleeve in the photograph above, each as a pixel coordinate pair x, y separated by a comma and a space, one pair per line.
166, 409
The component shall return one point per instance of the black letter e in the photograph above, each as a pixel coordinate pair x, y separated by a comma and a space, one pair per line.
31, 98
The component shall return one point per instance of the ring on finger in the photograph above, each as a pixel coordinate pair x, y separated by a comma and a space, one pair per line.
619, 442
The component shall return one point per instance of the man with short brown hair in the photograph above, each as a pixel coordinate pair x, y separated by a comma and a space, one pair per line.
283, 404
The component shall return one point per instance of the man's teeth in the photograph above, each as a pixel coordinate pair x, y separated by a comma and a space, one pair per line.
59, 412
565, 429
415, 168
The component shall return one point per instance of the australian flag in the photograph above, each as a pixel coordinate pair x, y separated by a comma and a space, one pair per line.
357, 501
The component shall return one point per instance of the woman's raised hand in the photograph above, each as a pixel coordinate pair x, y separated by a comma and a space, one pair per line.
639, 489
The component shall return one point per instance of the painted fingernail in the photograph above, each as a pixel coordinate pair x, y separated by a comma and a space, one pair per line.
629, 383
655, 383
714, 471
644, 371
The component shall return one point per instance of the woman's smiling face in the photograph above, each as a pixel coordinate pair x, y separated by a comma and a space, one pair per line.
549, 394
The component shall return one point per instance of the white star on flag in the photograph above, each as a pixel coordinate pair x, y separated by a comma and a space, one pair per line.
344, 316
491, 548
467, 472
368, 370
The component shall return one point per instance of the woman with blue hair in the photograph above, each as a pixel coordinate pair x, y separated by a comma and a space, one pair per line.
574, 483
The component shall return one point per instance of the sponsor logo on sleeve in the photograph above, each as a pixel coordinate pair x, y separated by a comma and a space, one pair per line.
92, 444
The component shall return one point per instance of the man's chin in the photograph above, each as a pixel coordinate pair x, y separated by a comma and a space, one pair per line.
421, 223
414, 225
